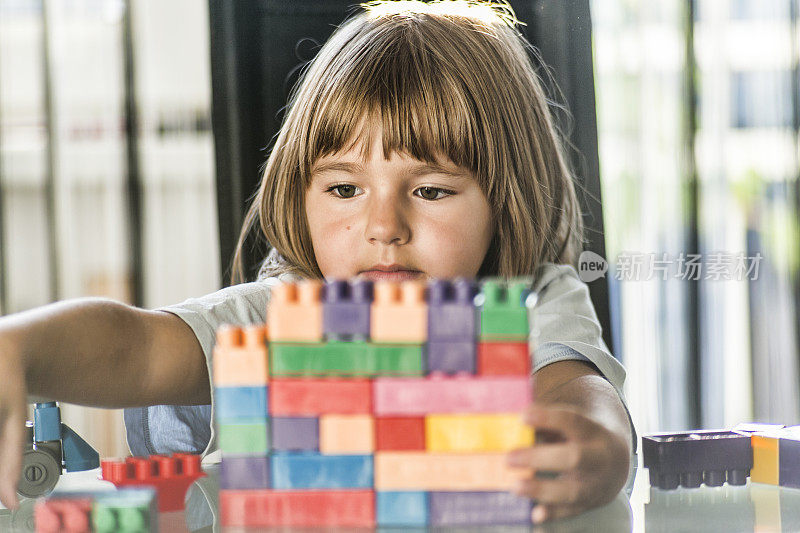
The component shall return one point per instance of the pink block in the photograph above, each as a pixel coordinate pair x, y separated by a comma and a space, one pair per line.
459, 394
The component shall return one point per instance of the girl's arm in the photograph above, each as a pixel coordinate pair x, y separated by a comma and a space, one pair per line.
92, 352
583, 434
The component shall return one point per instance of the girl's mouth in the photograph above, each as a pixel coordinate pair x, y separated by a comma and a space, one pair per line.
390, 273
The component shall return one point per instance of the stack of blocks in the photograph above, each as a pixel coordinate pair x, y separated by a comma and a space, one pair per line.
767, 453
368, 405
126, 510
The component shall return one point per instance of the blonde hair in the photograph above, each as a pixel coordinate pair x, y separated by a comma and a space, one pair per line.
446, 77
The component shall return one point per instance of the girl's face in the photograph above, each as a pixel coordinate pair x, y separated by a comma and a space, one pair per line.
396, 219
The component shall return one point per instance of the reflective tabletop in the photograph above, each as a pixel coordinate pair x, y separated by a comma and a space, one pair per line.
751, 507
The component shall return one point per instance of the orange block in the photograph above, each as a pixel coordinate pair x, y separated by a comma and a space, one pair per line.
240, 356
346, 434
399, 313
766, 464
294, 312
445, 472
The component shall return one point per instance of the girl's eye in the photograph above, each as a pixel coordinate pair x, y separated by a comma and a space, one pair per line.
432, 193
343, 191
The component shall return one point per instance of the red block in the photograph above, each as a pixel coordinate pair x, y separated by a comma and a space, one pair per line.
503, 359
314, 397
67, 515
170, 476
399, 433
265, 508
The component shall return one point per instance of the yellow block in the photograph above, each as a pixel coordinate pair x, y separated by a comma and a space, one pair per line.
346, 434
765, 459
445, 472
476, 433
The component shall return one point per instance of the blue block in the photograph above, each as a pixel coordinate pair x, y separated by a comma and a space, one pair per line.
46, 422
295, 433
451, 357
789, 461
240, 402
401, 509
307, 470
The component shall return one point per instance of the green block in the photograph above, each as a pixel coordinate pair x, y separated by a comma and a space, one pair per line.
504, 315
343, 359
127, 510
244, 437
398, 360
323, 359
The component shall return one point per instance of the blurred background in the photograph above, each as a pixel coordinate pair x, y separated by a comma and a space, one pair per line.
108, 186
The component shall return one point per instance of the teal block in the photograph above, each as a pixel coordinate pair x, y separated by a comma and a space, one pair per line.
244, 437
309, 470
401, 509
234, 403
504, 316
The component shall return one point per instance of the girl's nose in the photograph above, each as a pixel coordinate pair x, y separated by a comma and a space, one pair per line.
387, 222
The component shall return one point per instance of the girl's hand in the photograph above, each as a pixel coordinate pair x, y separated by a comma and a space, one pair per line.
13, 412
584, 464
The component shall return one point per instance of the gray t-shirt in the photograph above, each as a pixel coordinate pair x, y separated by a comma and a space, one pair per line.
564, 326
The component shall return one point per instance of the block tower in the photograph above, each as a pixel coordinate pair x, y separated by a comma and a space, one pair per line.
386, 404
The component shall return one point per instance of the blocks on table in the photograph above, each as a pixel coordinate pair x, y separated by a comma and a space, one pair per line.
347, 434
479, 509
399, 433
132, 510
378, 398
460, 394
693, 458
313, 397
309, 470
399, 313
346, 309
295, 433
267, 508
504, 311
63, 513
240, 356
294, 313
170, 476
476, 433
404, 471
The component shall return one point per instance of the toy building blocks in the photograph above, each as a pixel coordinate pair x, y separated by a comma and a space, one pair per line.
240, 356
171, 476
691, 459
767, 453
385, 414
125, 510
50, 447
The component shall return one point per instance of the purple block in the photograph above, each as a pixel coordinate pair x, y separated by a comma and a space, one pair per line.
789, 460
478, 509
295, 433
346, 309
244, 472
452, 315
451, 357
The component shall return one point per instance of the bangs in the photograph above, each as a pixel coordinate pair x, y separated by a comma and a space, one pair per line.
388, 75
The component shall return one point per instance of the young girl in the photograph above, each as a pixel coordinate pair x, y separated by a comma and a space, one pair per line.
418, 144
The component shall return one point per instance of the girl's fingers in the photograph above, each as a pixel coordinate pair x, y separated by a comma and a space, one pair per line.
561, 457
563, 490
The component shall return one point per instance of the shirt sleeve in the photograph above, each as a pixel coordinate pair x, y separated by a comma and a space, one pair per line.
167, 429
564, 326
